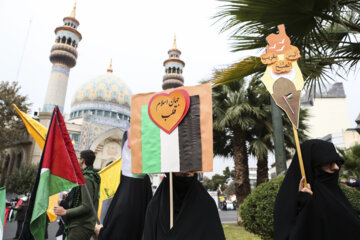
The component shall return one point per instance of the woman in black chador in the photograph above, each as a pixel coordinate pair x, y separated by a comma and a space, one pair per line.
195, 212
320, 210
125, 217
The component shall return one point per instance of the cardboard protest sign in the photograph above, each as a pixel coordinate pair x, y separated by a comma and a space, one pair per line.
171, 131
283, 78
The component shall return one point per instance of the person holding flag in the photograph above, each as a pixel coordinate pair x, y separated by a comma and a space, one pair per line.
58, 171
80, 217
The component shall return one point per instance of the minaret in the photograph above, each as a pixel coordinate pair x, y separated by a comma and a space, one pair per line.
173, 69
63, 57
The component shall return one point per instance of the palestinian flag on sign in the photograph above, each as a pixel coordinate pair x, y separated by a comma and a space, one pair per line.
159, 147
2, 211
288, 96
59, 171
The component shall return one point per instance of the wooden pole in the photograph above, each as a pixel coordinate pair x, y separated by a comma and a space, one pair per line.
171, 201
301, 163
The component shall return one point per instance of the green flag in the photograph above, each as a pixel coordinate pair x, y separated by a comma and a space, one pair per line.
2, 211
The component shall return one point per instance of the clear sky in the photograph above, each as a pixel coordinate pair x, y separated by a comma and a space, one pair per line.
135, 34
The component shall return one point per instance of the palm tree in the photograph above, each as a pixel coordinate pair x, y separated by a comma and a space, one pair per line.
324, 31
351, 166
234, 117
260, 137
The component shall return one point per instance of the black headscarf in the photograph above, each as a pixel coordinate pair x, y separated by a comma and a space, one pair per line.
195, 213
325, 215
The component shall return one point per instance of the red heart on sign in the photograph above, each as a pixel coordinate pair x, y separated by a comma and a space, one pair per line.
167, 110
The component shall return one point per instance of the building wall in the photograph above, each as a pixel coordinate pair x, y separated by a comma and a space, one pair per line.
328, 116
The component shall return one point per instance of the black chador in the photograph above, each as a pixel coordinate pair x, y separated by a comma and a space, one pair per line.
125, 217
327, 214
195, 212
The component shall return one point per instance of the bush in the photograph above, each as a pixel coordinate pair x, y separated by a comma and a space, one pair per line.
257, 211
353, 196
22, 179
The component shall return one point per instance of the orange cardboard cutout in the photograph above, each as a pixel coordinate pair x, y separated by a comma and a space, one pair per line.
283, 78
278, 43
167, 110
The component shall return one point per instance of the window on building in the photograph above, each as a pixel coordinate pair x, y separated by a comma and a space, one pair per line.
99, 112
74, 137
93, 112
120, 116
113, 115
106, 114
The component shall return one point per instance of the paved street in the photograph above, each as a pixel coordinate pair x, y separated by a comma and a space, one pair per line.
10, 230
228, 216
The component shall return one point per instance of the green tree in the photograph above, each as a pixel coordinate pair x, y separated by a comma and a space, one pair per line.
351, 166
213, 183
11, 126
22, 179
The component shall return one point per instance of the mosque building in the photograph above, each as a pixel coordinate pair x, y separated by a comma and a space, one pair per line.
100, 108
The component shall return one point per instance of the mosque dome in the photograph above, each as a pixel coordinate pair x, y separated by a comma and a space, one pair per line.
105, 95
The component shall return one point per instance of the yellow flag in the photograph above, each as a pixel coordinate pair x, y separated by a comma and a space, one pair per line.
38, 132
35, 129
53, 201
110, 180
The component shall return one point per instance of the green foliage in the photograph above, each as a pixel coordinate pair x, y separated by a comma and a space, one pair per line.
351, 166
213, 183
11, 126
258, 208
353, 196
216, 180
22, 179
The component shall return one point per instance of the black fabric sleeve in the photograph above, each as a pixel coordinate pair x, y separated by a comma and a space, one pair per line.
302, 199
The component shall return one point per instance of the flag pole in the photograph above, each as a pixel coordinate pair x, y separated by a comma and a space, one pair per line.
301, 163
171, 201
91, 203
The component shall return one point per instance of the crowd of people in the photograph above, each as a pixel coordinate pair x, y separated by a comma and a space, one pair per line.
316, 210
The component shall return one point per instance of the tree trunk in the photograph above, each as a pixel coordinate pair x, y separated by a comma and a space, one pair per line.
242, 182
262, 170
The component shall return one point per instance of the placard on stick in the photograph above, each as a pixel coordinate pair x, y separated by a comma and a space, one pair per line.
283, 78
171, 131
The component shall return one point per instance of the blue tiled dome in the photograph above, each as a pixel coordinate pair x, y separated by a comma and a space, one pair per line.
104, 88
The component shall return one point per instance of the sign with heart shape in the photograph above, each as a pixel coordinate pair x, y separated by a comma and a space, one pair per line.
167, 110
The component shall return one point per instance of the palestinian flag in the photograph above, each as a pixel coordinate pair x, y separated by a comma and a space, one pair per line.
2, 211
59, 171
288, 96
188, 147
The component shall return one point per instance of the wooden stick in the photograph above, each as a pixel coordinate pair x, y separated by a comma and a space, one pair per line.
301, 163
171, 201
